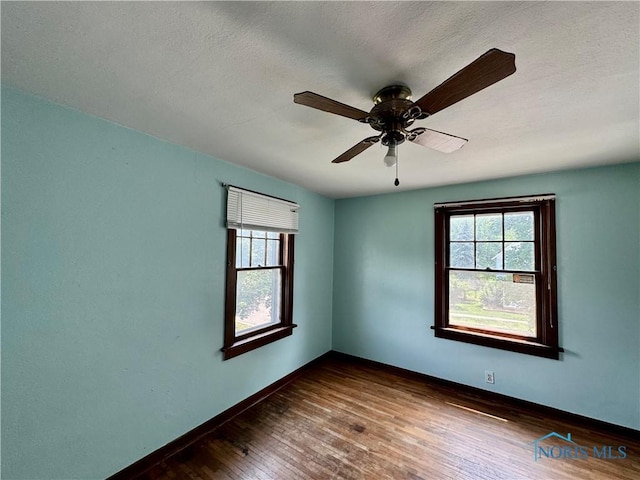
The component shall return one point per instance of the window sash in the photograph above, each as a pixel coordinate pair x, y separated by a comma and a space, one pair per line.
485, 329
277, 302
267, 244
475, 208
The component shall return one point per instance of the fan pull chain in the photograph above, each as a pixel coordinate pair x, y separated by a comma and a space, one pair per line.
397, 182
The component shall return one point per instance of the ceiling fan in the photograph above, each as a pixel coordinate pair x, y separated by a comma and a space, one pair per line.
394, 111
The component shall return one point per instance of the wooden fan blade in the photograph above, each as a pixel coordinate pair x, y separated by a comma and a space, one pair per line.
356, 149
442, 142
314, 100
486, 70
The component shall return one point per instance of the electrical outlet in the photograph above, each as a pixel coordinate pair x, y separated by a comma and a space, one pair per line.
489, 377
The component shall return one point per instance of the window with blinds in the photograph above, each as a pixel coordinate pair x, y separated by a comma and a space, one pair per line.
259, 300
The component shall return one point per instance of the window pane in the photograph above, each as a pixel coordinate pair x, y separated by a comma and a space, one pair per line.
519, 256
461, 228
257, 298
500, 302
273, 252
258, 252
258, 234
242, 252
461, 254
489, 255
489, 227
273, 235
518, 226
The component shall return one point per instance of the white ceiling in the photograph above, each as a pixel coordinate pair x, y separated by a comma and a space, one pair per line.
219, 77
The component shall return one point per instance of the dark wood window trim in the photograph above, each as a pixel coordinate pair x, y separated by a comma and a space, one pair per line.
545, 342
235, 345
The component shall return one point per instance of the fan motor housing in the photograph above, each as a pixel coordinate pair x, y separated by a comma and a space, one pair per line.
391, 92
391, 113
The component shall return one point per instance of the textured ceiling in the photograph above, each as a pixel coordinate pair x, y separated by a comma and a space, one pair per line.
218, 77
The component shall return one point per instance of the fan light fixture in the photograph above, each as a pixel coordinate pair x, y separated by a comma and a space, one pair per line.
391, 158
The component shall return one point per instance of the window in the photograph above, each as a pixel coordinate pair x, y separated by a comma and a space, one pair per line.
496, 274
260, 253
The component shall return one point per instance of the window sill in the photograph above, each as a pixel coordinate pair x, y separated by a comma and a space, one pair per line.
495, 341
247, 344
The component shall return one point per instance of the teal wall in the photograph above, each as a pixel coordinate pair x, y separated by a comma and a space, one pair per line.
383, 291
113, 262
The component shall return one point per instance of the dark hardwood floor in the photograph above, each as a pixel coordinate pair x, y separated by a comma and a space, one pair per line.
341, 420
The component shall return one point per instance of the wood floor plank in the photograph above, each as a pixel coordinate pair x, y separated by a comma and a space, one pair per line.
341, 420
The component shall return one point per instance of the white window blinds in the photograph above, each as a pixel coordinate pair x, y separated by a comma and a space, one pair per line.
253, 211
